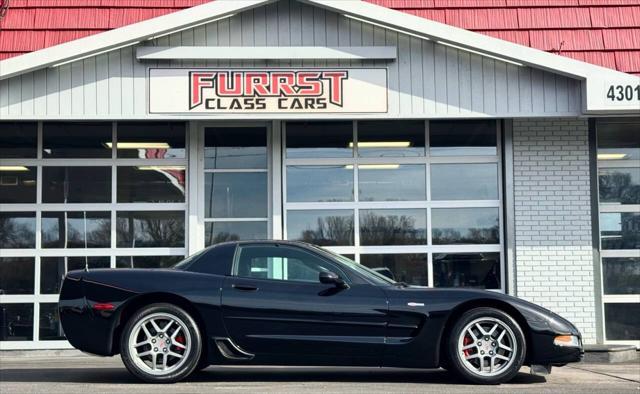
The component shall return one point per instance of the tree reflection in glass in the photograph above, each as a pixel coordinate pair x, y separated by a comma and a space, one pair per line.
393, 227
465, 226
321, 227
17, 230
150, 229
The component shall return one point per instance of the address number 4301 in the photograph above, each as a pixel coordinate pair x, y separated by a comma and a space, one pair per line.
623, 92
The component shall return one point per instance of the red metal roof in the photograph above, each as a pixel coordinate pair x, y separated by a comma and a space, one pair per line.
603, 32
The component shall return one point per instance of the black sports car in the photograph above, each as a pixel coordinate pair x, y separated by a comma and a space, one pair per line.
289, 303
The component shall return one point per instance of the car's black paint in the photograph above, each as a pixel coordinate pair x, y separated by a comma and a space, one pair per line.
293, 323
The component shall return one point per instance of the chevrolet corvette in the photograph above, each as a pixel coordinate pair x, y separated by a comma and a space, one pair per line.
290, 303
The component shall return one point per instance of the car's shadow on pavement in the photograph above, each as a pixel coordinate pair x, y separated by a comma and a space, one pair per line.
238, 375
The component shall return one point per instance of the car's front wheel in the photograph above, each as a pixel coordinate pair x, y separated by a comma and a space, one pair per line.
486, 346
161, 343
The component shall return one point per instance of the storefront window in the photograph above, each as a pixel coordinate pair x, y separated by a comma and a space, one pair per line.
319, 183
390, 138
236, 189
236, 195
17, 322
151, 140
18, 140
619, 185
50, 327
321, 227
464, 181
422, 188
392, 182
76, 184
150, 229
18, 184
153, 183
90, 188
16, 275
76, 229
393, 227
620, 230
465, 226
463, 137
621, 275
412, 269
76, 140
319, 139
17, 230
480, 270
220, 231
618, 158
235, 147
622, 321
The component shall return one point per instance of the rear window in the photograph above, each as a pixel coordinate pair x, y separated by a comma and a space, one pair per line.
215, 261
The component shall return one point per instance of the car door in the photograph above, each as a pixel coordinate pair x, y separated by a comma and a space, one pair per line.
275, 307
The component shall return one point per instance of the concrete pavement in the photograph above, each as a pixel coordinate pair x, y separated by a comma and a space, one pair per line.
83, 374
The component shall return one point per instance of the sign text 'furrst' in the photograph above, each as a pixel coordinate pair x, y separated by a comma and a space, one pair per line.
213, 91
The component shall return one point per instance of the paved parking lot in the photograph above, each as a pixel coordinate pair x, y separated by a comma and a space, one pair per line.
81, 374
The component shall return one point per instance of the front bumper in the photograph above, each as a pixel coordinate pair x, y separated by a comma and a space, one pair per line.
545, 351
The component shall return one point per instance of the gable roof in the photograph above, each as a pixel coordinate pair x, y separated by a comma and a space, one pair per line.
597, 80
601, 32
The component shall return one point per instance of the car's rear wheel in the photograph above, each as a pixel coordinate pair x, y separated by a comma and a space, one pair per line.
486, 346
161, 343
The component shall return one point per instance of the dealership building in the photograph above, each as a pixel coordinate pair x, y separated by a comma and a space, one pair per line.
448, 141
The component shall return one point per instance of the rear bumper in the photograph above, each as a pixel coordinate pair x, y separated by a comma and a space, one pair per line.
87, 330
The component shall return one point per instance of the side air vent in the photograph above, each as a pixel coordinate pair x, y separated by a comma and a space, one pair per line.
230, 350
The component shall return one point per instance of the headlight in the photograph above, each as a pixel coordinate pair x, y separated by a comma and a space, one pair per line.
567, 341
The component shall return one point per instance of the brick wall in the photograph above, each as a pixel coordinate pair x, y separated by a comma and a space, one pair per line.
553, 244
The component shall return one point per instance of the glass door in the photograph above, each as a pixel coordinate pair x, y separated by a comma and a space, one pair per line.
619, 206
236, 183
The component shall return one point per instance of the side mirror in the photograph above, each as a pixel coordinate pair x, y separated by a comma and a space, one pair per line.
332, 278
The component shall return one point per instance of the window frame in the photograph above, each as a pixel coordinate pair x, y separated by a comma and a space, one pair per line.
238, 252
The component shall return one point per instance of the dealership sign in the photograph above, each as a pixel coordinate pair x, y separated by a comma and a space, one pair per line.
267, 90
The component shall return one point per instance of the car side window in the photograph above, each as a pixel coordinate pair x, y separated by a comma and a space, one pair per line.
279, 262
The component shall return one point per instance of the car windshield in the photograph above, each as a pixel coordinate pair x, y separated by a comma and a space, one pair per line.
370, 274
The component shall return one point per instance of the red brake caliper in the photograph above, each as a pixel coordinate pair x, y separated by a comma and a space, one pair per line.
180, 340
465, 342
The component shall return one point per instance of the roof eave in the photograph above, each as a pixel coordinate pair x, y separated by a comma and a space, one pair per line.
124, 36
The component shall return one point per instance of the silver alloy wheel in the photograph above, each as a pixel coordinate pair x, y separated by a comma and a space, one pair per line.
160, 343
487, 346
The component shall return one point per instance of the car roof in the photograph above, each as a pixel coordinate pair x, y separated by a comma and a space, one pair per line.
265, 241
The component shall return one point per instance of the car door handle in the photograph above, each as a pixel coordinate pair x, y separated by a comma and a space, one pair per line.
244, 287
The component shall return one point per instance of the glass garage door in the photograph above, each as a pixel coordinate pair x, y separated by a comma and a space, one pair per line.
619, 194
82, 194
419, 198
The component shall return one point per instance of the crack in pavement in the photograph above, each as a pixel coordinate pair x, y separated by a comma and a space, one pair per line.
604, 373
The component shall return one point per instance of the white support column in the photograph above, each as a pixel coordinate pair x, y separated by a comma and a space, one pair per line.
276, 180
195, 222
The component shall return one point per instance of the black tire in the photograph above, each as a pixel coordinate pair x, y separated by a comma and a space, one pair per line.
188, 365
455, 354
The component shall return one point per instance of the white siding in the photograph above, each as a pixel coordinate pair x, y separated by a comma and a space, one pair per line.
427, 80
